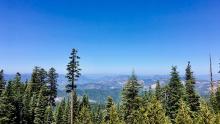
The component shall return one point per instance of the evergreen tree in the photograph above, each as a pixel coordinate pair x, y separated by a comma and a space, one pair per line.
183, 115
60, 112
52, 85
109, 104
206, 115
158, 91
113, 116
154, 113
175, 93
217, 94
31, 109
48, 116
129, 99
72, 76
7, 115
2, 81
97, 115
17, 95
43, 76
192, 97
38, 79
217, 119
85, 116
41, 106
66, 115
84, 102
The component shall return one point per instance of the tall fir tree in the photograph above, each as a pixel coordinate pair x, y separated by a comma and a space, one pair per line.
48, 116
52, 85
206, 115
31, 110
41, 106
85, 116
129, 99
158, 91
183, 115
192, 97
72, 76
97, 114
7, 115
154, 113
2, 81
18, 92
114, 116
38, 79
108, 106
66, 115
60, 112
217, 94
175, 93
84, 102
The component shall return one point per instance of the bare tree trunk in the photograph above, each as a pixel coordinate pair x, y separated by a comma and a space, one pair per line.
71, 107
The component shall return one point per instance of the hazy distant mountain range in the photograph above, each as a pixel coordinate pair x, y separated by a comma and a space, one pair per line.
98, 87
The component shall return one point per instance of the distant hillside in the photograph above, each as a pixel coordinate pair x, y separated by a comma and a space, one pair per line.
98, 87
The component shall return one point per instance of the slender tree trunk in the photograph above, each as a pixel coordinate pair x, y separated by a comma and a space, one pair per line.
71, 107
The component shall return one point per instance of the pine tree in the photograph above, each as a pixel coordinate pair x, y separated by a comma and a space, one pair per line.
192, 97
41, 106
158, 91
113, 116
18, 92
7, 110
154, 113
217, 94
175, 93
84, 102
97, 115
183, 115
2, 81
60, 112
129, 99
217, 118
66, 115
85, 116
52, 85
109, 104
31, 109
38, 79
206, 115
72, 76
48, 116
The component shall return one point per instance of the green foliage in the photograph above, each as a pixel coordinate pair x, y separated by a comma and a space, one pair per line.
52, 85
130, 99
7, 110
175, 93
206, 115
72, 76
48, 116
113, 116
158, 91
154, 113
2, 81
192, 97
84, 102
85, 116
218, 98
183, 115
41, 106
60, 112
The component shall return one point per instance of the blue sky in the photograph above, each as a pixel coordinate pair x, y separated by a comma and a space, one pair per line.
112, 36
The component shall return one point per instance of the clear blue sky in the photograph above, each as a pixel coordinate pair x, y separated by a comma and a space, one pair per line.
112, 36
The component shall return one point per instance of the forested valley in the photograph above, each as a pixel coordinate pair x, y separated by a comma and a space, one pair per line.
33, 101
